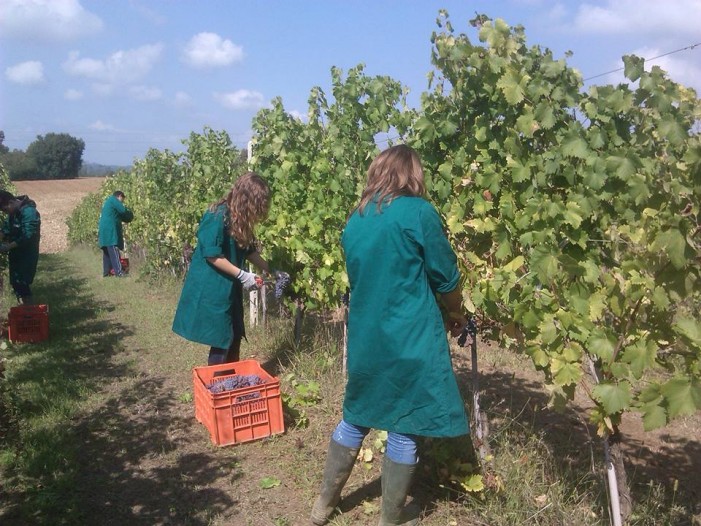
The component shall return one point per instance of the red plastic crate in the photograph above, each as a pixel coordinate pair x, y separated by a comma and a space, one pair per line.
125, 266
241, 415
28, 323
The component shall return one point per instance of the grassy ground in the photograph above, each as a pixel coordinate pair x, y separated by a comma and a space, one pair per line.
97, 428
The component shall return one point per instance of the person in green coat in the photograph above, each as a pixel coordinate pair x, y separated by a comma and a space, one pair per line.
109, 233
20, 239
400, 375
210, 309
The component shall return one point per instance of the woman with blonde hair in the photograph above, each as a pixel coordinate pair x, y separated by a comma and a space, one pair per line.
210, 310
400, 375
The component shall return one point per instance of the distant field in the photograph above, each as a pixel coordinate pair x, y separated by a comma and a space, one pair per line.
55, 201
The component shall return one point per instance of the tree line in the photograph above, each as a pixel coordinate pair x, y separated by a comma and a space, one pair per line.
51, 156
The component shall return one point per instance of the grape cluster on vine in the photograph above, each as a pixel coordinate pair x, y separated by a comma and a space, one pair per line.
282, 281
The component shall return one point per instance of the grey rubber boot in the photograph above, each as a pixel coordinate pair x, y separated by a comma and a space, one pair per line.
339, 464
396, 481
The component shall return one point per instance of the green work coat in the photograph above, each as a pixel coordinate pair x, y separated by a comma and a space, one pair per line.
400, 374
210, 310
24, 228
109, 232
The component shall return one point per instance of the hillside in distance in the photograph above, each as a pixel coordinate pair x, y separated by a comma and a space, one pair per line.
100, 170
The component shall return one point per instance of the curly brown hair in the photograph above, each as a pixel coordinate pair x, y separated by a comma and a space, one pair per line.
247, 202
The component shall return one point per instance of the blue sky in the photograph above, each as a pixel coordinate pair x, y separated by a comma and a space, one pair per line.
126, 75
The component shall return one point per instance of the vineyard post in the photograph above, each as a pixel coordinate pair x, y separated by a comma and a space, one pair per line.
264, 303
253, 307
254, 295
611, 475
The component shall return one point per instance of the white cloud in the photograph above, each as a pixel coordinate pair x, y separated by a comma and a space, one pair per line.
556, 13
46, 20
241, 100
73, 94
104, 90
298, 115
121, 67
209, 50
101, 126
182, 99
145, 93
640, 16
27, 73
149, 14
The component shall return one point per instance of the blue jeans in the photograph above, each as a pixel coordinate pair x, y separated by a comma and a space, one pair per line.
111, 261
400, 448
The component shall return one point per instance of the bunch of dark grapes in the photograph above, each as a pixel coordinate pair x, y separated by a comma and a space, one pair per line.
232, 383
282, 281
470, 329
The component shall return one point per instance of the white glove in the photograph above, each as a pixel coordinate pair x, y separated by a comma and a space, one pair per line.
248, 279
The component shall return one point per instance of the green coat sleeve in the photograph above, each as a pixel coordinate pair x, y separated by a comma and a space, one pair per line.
30, 226
439, 258
124, 214
210, 235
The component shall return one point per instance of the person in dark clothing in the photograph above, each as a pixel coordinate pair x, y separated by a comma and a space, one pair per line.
110, 236
20, 240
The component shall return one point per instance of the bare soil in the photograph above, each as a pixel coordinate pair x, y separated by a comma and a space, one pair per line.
55, 201
161, 463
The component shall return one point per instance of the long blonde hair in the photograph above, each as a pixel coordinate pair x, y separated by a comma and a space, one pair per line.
247, 203
396, 171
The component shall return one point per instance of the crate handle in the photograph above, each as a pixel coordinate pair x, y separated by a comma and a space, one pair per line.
246, 397
226, 372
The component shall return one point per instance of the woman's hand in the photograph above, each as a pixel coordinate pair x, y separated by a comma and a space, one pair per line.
249, 280
454, 318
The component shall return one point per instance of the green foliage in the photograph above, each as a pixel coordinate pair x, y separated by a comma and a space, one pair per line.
316, 170
576, 215
301, 396
82, 223
19, 165
168, 194
56, 156
5, 183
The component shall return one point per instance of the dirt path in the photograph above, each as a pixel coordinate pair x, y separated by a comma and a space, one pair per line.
55, 201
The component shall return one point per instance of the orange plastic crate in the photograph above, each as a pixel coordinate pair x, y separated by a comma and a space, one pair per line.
241, 415
28, 323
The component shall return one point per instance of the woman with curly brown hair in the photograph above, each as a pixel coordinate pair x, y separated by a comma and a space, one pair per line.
210, 310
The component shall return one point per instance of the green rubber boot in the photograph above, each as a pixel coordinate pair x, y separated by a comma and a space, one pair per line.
339, 464
396, 481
